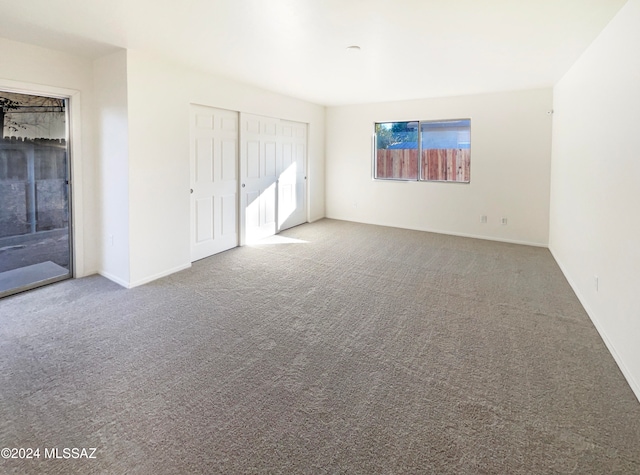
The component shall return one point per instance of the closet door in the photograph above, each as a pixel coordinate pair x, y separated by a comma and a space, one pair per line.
214, 181
259, 156
273, 176
292, 176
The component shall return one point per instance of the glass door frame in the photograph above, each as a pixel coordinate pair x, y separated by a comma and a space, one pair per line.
67, 98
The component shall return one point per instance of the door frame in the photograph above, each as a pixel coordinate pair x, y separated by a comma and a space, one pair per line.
77, 264
74, 150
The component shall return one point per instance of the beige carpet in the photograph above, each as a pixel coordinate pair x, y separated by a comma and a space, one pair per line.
335, 348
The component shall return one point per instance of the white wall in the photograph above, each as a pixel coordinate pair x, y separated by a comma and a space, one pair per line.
159, 94
39, 70
131, 166
510, 166
595, 185
112, 141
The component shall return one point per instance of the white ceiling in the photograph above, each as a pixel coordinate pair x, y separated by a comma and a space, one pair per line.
410, 48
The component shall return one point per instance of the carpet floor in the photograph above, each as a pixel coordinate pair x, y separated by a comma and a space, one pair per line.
333, 347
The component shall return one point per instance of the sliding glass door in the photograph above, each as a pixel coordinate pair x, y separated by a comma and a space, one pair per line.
35, 219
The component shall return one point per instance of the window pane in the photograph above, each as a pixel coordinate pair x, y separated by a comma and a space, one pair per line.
397, 150
446, 150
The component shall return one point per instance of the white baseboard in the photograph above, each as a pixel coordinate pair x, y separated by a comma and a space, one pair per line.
159, 275
635, 387
146, 280
113, 278
450, 233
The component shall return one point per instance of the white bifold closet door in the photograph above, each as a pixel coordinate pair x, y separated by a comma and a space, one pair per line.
214, 180
272, 174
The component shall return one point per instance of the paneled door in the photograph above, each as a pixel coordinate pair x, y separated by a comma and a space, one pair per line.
259, 157
292, 175
273, 176
214, 181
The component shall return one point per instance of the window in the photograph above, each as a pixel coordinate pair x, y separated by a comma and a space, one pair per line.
423, 150
397, 150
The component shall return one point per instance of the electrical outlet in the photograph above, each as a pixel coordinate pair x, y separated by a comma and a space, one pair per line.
483, 219
596, 282
503, 221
